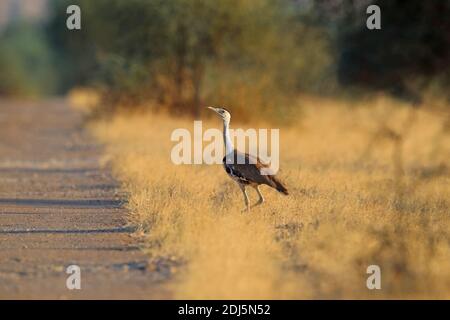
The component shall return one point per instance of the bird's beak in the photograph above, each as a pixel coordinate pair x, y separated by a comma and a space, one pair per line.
213, 109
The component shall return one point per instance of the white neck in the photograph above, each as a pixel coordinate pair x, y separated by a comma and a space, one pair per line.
226, 137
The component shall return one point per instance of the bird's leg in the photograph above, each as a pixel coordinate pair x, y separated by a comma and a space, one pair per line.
247, 207
261, 198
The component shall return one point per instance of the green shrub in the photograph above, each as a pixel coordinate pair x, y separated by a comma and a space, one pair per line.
26, 62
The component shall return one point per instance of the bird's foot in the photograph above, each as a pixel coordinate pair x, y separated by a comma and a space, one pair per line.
260, 202
246, 209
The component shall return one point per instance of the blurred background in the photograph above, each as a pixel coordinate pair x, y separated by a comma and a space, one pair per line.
365, 143
252, 54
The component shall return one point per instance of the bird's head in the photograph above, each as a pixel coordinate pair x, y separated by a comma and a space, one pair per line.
222, 112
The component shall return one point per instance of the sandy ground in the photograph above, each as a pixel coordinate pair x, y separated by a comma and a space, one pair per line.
59, 207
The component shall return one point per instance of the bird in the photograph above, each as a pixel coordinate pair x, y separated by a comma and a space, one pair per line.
244, 168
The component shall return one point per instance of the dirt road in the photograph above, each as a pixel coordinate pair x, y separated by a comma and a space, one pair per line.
59, 207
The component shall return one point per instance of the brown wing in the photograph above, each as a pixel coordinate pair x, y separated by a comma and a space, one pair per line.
248, 167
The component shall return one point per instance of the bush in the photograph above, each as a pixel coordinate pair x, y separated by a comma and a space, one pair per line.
26, 62
185, 54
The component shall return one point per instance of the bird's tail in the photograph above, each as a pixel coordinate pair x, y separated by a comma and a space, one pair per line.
279, 186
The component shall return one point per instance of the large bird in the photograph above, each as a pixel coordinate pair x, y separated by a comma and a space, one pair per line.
243, 168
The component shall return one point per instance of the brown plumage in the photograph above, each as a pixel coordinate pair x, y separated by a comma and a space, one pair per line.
245, 169
248, 171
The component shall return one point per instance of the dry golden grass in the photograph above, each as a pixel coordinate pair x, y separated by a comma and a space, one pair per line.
369, 184
84, 99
